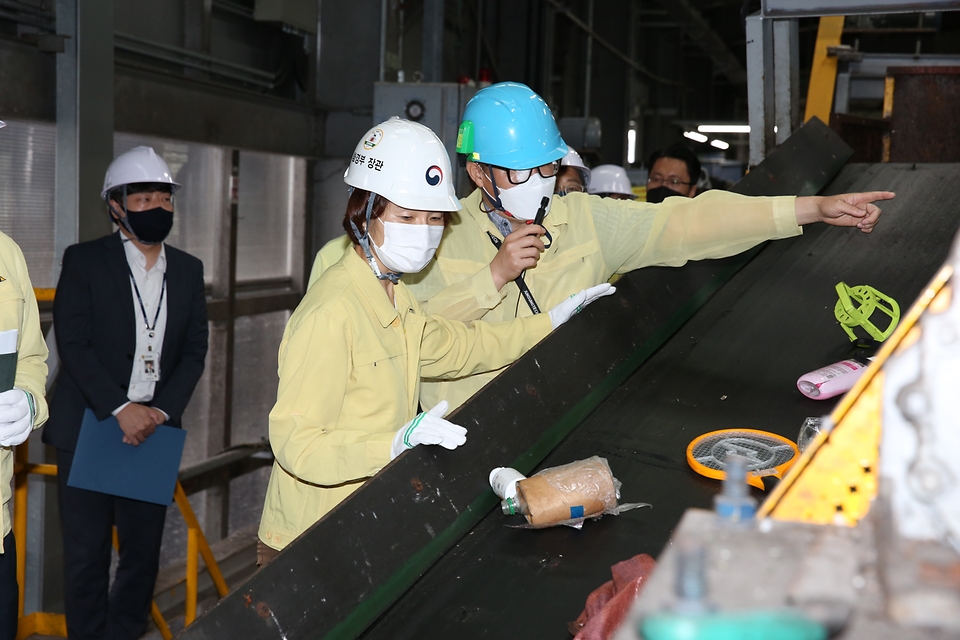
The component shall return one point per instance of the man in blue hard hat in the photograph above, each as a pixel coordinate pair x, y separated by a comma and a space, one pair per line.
513, 151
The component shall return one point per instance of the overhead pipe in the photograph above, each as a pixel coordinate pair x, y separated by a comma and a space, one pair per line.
432, 44
479, 5
588, 77
383, 40
609, 47
264, 75
194, 65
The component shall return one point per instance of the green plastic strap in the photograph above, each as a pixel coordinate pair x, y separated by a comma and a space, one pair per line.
856, 306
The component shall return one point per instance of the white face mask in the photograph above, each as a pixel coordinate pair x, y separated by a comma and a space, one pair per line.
523, 201
407, 248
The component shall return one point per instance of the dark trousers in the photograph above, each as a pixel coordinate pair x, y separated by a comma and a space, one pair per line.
93, 609
9, 590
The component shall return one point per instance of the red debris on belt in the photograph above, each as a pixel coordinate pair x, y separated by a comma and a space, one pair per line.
608, 604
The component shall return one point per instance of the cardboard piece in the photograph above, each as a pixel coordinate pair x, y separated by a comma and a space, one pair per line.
581, 489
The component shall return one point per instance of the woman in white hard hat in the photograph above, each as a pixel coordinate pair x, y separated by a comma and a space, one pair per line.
573, 177
611, 181
354, 350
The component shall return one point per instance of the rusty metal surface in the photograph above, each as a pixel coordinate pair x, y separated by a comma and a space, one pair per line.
925, 123
864, 135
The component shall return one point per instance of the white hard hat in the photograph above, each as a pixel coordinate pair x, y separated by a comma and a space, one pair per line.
573, 159
609, 178
141, 164
406, 163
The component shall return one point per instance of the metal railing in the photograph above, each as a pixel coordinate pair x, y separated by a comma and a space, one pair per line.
54, 624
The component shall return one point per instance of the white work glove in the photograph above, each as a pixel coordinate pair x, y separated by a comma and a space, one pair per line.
575, 303
429, 428
16, 419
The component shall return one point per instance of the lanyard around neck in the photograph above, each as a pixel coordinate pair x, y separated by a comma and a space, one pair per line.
143, 310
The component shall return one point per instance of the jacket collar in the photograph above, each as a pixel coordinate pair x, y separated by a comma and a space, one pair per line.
117, 265
370, 288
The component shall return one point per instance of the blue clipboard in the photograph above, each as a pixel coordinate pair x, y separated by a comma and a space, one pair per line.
103, 462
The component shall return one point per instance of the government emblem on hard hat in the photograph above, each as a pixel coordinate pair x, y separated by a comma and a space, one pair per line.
434, 176
373, 139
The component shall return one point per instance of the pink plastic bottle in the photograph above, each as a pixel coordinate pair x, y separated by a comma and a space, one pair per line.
832, 380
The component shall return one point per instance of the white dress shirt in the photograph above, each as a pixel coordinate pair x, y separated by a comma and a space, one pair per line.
150, 284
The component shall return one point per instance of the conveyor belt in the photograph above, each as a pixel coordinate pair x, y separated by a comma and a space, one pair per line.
734, 364
430, 511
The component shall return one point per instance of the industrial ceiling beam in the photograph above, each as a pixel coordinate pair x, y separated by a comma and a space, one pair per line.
811, 8
700, 31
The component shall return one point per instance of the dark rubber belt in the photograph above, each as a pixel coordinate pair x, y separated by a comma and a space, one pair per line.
580, 393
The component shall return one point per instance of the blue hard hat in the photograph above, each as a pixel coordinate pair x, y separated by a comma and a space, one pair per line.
508, 125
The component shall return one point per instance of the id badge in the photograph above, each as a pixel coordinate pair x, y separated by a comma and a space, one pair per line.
149, 367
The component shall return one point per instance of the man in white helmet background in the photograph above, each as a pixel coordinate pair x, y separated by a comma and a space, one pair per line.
354, 351
131, 328
611, 181
513, 149
23, 406
574, 175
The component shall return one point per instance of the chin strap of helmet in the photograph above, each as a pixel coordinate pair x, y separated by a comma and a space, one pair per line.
122, 219
496, 214
364, 240
495, 198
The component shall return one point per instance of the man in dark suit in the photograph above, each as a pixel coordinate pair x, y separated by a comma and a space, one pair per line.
131, 327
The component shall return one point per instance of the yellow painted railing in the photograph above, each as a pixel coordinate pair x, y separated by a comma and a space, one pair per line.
823, 72
54, 624
44, 295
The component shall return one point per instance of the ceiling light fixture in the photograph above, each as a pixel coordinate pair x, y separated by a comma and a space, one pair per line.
693, 135
723, 128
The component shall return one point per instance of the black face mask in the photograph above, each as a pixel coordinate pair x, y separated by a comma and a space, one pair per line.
661, 193
149, 227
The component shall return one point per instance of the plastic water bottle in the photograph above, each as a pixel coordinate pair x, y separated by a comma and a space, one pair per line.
503, 481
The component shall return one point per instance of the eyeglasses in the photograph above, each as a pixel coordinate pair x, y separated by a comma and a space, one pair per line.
574, 188
519, 176
658, 181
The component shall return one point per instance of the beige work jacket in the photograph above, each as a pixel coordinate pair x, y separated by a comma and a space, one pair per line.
592, 239
18, 310
350, 365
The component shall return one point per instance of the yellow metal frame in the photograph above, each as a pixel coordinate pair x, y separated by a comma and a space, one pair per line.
888, 86
823, 73
54, 624
44, 295
835, 479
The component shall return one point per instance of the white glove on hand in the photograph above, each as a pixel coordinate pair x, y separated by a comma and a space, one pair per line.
575, 303
16, 419
429, 428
